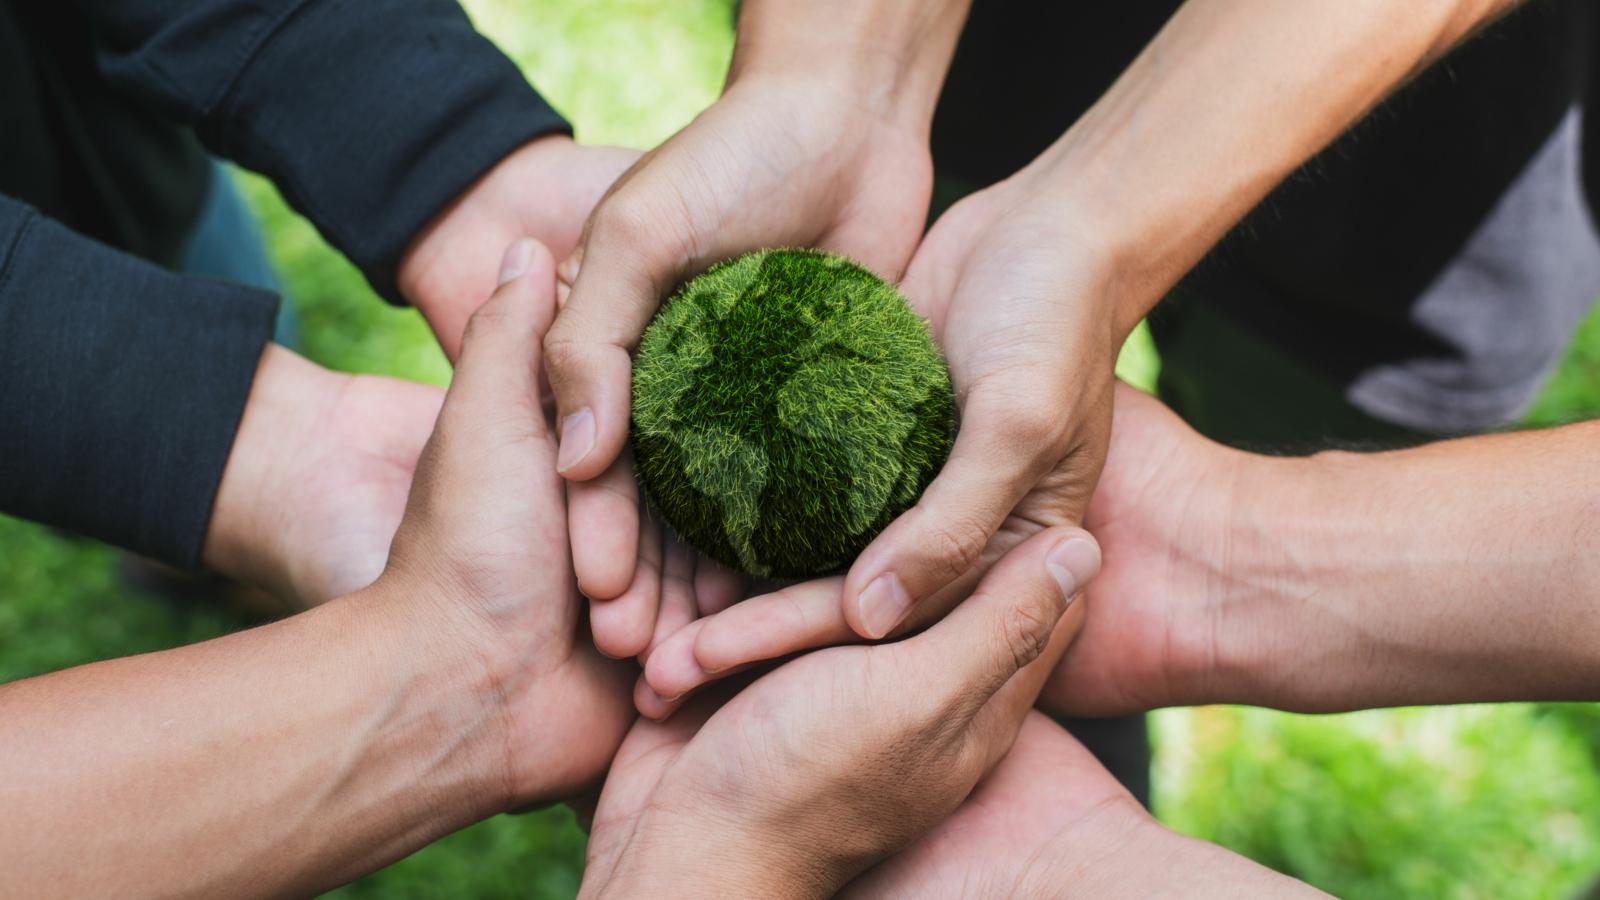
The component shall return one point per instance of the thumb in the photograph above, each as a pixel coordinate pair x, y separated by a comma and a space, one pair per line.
998, 456
1007, 622
500, 352
616, 288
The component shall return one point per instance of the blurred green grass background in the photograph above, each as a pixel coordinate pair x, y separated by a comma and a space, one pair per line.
1466, 802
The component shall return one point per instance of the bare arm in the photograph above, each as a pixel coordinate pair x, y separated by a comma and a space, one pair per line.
285, 759
1226, 101
295, 756
1461, 571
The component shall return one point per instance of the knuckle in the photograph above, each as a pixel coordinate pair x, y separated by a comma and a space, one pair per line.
1033, 426
563, 354
485, 320
627, 218
957, 545
1026, 632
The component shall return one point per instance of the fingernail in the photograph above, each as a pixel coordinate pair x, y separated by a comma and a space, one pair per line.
1073, 564
577, 439
516, 260
883, 605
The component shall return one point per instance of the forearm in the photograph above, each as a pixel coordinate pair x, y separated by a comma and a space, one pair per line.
890, 55
1226, 101
1461, 571
281, 760
1152, 862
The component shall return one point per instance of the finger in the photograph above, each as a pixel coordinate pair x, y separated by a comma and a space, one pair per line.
652, 705
623, 626
796, 618
996, 460
994, 728
1007, 623
626, 262
603, 518
677, 595
501, 349
672, 672
808, 616
716, 587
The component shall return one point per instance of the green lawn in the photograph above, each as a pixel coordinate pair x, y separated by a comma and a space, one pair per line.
1465, 802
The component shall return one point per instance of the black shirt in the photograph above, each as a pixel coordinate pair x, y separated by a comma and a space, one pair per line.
121, 385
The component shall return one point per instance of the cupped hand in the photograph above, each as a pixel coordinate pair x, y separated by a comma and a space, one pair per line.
1050, 821
827, 764
545, 190
484, 538
775, 162
317, 479
1171, 608
1019, 305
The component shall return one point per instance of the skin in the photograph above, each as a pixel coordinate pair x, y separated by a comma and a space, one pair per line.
821, 139
323, 746
545, 191
823, 767
317, 480
1336, 582
1087, 838
319, 471
1241, 94
1457, 572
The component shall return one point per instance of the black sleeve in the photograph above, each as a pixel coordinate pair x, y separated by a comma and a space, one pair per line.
370, 115
121, 387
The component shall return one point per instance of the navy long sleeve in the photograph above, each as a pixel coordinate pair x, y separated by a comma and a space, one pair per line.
370, 115
121, 387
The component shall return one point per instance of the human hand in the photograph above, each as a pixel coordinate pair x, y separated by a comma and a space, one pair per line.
1174, 535
778, 161
545, 190
317, 479
1050, 821
842, 756
1021, 307
484, 537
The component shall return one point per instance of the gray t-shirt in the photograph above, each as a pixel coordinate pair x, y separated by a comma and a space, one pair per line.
1433, 262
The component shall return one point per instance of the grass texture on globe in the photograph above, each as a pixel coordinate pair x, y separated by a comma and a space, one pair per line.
787, 406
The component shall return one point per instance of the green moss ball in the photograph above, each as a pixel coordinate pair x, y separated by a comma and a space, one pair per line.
787, 406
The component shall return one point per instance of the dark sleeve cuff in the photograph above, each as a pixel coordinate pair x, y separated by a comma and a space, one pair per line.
370, 115
121, 387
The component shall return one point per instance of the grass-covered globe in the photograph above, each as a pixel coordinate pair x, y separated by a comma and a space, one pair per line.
788, 405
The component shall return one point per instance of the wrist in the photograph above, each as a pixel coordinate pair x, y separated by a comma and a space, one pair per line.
731, 862
1290, 631
1139, 857
288, 397
1257, 579
889, 56
442, 710
487, 212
